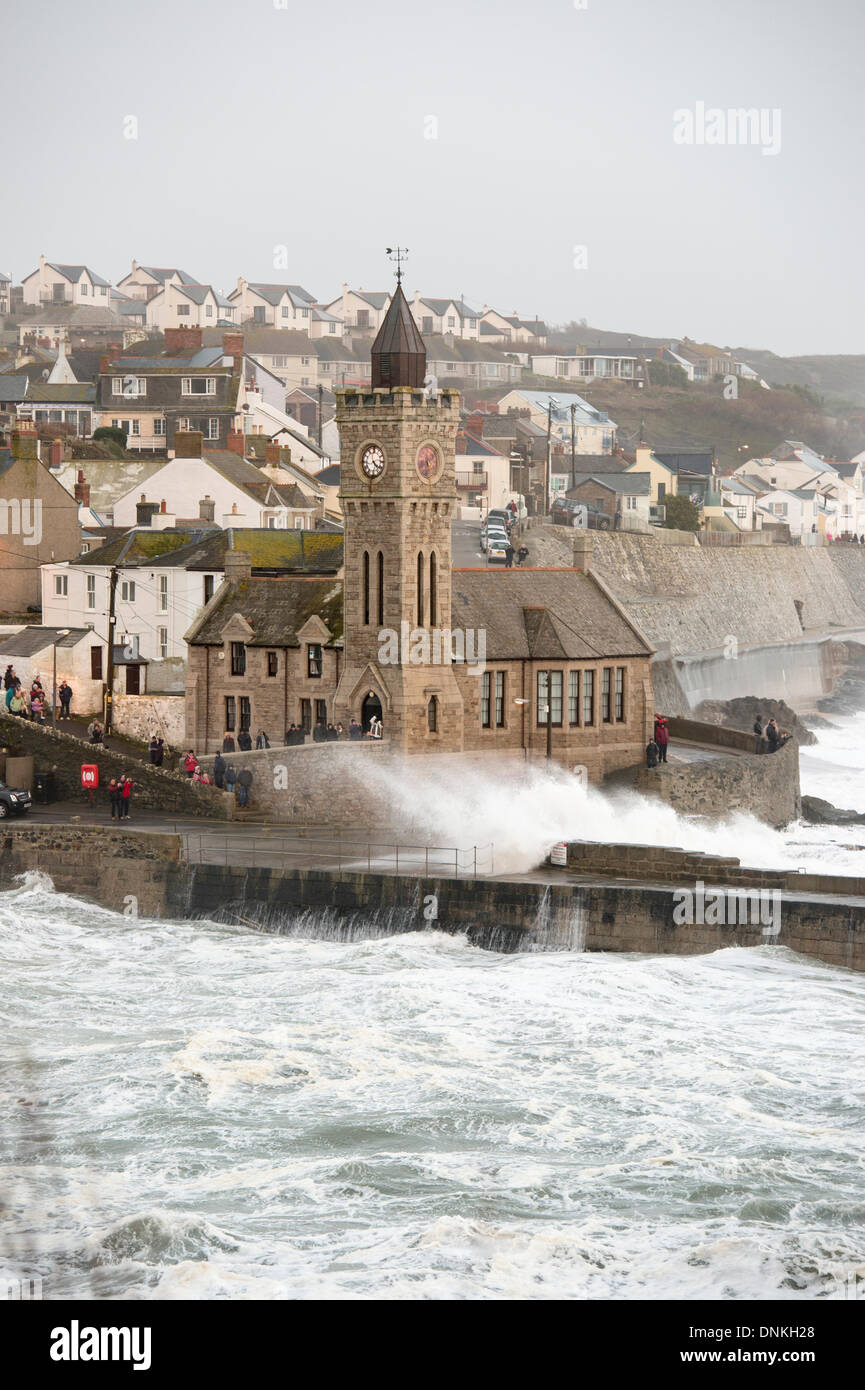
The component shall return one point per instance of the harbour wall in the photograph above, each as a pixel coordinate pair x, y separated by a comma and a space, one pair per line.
145, 874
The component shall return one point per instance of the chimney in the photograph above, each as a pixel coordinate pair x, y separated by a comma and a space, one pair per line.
144, 511
583, 546
105, 362
271, 453
163, 520
56, 453
179, 340
206, 508
82, 490
24, 442
188, 444
234, 442
232, 344
233, 519
238, 566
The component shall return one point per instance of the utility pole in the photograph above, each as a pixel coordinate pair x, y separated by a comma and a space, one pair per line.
549, 715
109, 693
573, 447
548, 466
320, 410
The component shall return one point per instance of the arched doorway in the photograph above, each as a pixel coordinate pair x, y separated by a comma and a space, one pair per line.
371, 707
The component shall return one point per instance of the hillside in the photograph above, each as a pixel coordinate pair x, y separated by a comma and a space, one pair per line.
697, 416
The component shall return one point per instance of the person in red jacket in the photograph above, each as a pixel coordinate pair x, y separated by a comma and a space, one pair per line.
190, 763
662, 737
125, 796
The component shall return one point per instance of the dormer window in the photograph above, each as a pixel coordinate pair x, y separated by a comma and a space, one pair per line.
313, 661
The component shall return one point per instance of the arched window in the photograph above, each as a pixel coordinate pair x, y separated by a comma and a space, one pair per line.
380, 587
365, 588
420, 588
432, 715
432, 589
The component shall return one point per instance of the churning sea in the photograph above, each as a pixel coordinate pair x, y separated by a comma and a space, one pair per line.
198, 1111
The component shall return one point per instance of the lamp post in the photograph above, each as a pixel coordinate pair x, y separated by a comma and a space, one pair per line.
63, 632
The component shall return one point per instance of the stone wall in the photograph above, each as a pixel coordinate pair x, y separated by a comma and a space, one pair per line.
143, 874
139, 716
689, 599
63, 754
766, 785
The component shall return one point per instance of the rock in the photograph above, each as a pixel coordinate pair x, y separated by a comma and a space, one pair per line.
819, 812
741, 713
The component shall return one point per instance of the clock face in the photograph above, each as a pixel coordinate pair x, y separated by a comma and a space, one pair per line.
428, 462
372, 461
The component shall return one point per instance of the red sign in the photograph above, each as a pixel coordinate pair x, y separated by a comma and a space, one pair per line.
89, 775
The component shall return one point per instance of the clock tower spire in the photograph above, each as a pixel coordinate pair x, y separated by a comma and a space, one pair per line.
398, 494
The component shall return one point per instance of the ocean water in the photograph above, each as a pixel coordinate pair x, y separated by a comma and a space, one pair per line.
197, 1111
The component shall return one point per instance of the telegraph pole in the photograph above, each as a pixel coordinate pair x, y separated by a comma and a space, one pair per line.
549, 715
320, 410
548, 467
109, 693
573, 448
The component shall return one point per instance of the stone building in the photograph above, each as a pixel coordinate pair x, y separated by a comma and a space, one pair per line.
519, 661
38, 521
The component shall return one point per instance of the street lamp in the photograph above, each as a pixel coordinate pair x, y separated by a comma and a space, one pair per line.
63, 632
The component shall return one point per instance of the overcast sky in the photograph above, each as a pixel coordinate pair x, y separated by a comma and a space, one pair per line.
553, 129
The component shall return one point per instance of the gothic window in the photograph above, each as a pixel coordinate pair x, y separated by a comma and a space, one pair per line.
620, 694
420, 610
380, 589
432, 589
432, 714
365, 587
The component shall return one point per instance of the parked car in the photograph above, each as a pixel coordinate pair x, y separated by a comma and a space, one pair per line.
503, 515
567, 511
13, 801
497, 546
489, 528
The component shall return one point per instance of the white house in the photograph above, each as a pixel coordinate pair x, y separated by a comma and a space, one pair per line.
594, 431
806, 512
445, 316
55, 283
5, 292
272, 306
145, 281
188, 306
483, 475
361, 309
80, 660
220, 487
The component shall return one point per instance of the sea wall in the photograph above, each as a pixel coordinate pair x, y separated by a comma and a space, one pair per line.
143, 874
766, 785
691, 599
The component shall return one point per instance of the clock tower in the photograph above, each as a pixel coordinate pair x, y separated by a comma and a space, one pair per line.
398, 494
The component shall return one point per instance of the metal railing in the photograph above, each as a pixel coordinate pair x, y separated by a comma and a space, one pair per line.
335, 853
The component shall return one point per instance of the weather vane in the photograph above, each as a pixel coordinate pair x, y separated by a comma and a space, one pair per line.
398, 254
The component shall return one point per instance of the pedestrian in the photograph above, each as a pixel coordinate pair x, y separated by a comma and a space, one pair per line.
18, 704
114, 791
522, 554
340, 731
652, 753
190, 763
773, 738
244, 782
261, 739
125, 795
509, 556
65, 693
10, 696
219, 771
230, 778
354, 730
290, 735
160, 752
244, 741
662, 737
9, 677
331, 733
228, 743
94, 731
36, 707
153, 749
319, 733
758, 734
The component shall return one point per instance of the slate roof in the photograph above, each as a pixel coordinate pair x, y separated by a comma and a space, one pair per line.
599, 464
35, 639
375, 298
562, 402
475, 446
627, 484
163, 273
73, 273
198, 294
137, 547
251, 479
13, 388
274, 293
441, 306
7, 279
691, 460
540, 613
78, 392
276, 609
